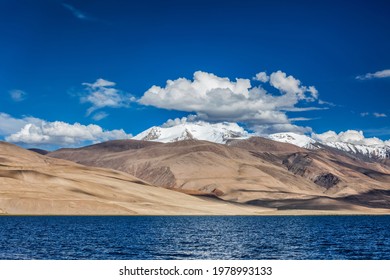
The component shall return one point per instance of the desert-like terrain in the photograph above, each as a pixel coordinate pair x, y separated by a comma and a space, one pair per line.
33, 184
254, 171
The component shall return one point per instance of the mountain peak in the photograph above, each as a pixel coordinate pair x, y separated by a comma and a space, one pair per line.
371, 151
223, 132
299, 140
199, 130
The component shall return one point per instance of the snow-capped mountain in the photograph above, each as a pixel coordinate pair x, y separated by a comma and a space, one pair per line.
302, 141
374, 151
199, 130
222, 132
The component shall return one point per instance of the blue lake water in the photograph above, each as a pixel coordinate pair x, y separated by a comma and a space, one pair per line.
276, 237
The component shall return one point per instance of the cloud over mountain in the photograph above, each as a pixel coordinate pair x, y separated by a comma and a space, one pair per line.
349, 136
215, 98
10, 125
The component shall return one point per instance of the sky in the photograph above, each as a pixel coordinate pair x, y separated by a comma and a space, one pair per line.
78, 72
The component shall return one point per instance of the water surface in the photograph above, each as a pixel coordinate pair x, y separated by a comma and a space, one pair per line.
275, 237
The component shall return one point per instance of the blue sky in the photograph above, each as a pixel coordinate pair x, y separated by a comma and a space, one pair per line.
73, 72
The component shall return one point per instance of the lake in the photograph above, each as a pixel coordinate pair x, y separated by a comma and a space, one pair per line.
199, 237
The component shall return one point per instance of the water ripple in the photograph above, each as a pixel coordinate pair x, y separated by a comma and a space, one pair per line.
306, 237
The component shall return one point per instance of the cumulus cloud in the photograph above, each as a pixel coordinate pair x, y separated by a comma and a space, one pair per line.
349, 136
292, 86
9, 124
261, 77
64, 134
102, 94
17, 95
34, 131
377, 75
215, 98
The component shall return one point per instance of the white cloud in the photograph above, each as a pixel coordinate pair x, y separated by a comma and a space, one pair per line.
100, 83
300, 119
64, 134
378, 75
102, 94
99, 116
314, 92
290, 85
322, 102
213, 98
18, 95
349, 136
178, 121
34, 131
261, 77
9, 124
275, 128
303, 109
284, 83
379, 115
364, 114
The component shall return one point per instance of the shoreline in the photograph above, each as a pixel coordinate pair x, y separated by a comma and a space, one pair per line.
281, 213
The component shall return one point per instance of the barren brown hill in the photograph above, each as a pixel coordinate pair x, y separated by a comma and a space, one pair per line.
254, 171
260, 144
33, 184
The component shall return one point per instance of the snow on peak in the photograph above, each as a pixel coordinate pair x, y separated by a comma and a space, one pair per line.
199, 130
372, 151
299, 140
355, 142
188, 128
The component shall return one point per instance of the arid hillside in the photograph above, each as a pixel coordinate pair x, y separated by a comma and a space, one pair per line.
254, 171
33, 184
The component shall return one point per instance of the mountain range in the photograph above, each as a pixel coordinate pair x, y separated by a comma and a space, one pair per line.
255, 171
34, 184
196, 169
223, 132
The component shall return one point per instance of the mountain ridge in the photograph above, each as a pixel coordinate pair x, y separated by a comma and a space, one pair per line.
254, 169
225, 132
34, 184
